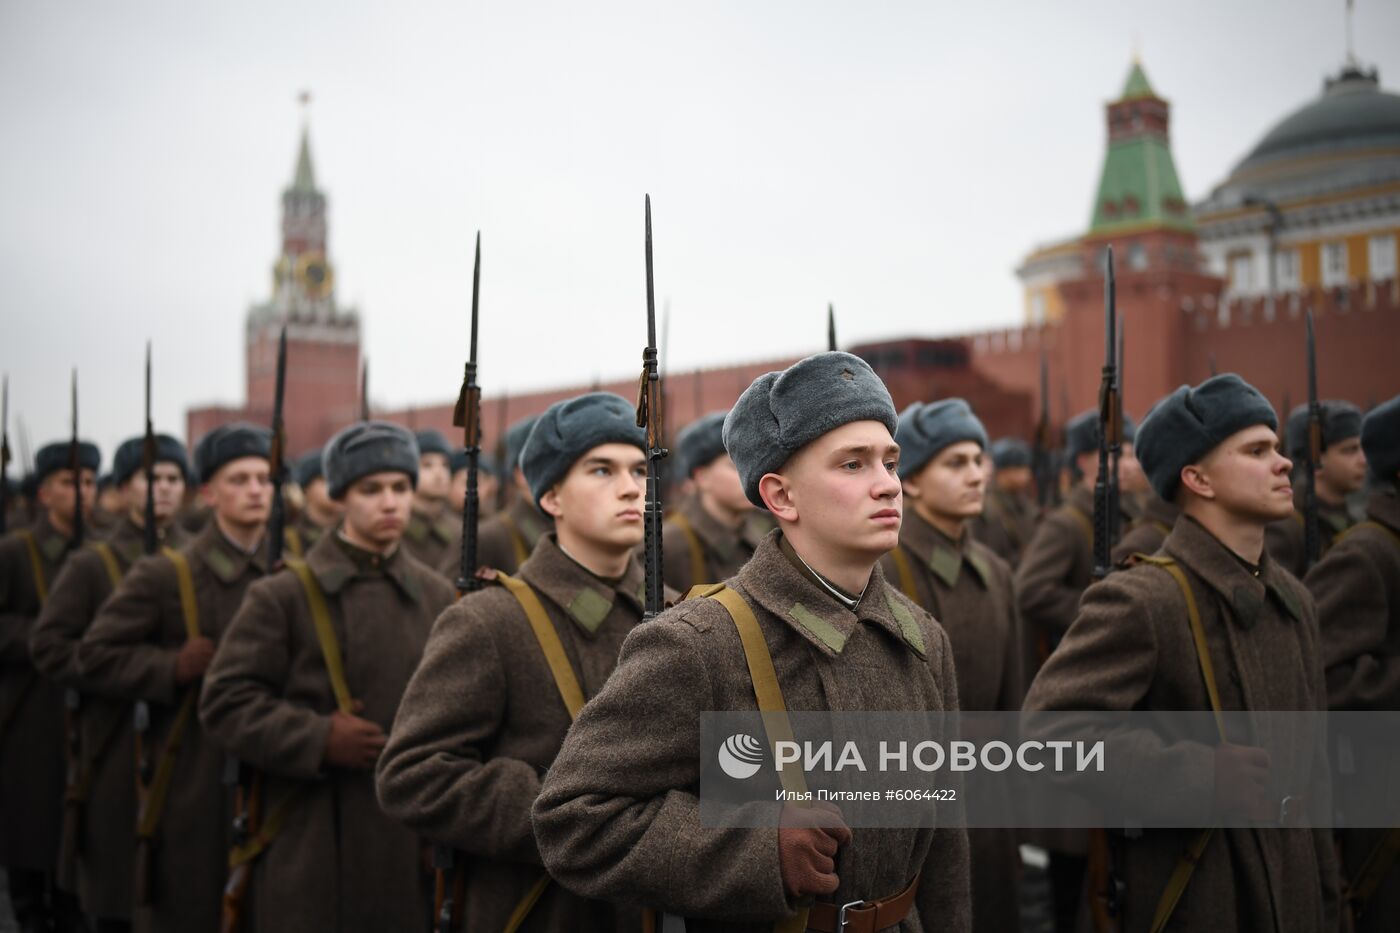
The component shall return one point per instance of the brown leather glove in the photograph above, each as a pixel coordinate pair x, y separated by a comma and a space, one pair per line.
353, 742
193, 660
1241, 782
808, 838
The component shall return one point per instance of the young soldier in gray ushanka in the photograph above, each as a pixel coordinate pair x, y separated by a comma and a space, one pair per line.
1132, 647
507, 538
319, 514
100, 804
707, 539
1341, 472
1009, 512
31, 706
506, 669
306, 681
434, 529
940, 566
618, 816
1357, 588
152, 641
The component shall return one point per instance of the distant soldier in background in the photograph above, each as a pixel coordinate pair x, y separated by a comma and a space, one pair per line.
100, 813
31, 706
707, 539
488, 483
1009, 512
1340, 473
320, 513
434, 529
1357, 588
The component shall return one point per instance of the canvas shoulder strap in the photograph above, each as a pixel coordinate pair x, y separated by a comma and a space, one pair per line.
36, 564
109, 562
905, 571
697, 551
1186, 864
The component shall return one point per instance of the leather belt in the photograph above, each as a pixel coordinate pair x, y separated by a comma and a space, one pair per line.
863, 916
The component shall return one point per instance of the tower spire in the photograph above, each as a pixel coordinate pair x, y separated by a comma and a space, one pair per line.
305, 177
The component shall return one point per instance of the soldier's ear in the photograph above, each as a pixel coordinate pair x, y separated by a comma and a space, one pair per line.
776, 493
1195, 479
549, 502
206, 494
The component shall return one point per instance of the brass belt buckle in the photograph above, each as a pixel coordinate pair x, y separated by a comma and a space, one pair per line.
841, 920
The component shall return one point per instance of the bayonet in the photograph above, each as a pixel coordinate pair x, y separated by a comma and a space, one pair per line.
1312, 544
649, 416
277, 520
364, 389
1042, 462
1110, 432
4, 452
467, 416
148, 463
830, 326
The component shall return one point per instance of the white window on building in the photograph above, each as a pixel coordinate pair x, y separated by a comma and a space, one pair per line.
1382, 257
1137, 257
1038, 309
1287, 271
1334, 264
1242, 273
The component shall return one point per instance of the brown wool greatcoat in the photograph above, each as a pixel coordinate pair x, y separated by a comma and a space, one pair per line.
618, 816
1056, 566
1285, 538
99, 854
1147, 532
723, 550
129, 653
1131, 648
31, 710
482, 720
430, 539
968, 589
1357, 588
1006, 524
497, 546
339, 864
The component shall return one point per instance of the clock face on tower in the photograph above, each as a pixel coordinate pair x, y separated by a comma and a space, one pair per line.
314, 275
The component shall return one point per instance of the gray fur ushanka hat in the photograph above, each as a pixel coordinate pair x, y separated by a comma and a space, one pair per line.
780, 413
366, 448
571, 428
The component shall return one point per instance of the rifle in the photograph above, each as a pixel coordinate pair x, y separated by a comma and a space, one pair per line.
75, 465
4, 452
1041, 460
447, 896
649, 417
830, 326
1117, 515
1110, 433
247, 785
141, 711
1312, 544
72, 699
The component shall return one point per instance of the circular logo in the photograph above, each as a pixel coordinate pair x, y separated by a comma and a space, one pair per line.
741, 756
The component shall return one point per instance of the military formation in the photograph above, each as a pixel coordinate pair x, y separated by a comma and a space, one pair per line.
425, 688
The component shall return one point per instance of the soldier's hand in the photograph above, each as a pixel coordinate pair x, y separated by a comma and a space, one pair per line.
1241, 782
353, 742
193, 660
808, 838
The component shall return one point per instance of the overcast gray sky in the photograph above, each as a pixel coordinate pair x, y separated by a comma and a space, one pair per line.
897, 159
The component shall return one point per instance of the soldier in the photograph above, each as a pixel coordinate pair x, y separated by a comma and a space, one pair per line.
508, 537
487, 483
960, 581
1133, 647
618, 815
707, 539
433, 528
100, 814
1147, 532
110, 504
482, 719
1008, 514
1340, 473
31, 707
152, 641
306, 680
320, 513
1357, 588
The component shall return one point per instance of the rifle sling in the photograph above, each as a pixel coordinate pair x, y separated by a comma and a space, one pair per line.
335, 668
569, 691
1186, 864
905, 572
154, 803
